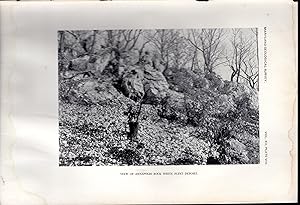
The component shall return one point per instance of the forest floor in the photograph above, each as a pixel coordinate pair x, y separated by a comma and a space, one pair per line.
97, 135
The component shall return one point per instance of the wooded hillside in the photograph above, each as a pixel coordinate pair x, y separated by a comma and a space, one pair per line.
154, 97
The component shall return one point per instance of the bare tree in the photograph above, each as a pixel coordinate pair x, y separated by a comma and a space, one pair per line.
243, 58
255, 32
162, 40
250, 71
209, 43
181, 52
118, 43
130, 38
146, 40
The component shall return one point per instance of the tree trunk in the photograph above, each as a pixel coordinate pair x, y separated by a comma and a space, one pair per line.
257, 56
238, 75
194, 60
232, 76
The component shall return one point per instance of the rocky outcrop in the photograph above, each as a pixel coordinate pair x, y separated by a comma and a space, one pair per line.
79, 64
100, 64
201, 83
192, 115
155, 85
132, 83
143, 82
130, 58
215, 81
239, 92
93, 92
180, 80
173, 107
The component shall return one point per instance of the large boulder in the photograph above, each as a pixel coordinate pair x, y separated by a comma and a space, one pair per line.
80, 64
93, 91
100, 64
144, 82
184, 80
215, 81
223, 104
130, 58
241, 92
201, 83
155, 85
132, 83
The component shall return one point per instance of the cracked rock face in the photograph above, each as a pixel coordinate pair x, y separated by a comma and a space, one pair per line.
94, 91
144, 82
155, 85
132, 83
80, 64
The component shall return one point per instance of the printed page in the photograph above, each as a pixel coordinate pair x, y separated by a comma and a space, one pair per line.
148, 102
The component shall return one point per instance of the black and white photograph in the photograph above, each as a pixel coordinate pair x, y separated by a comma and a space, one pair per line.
158, 97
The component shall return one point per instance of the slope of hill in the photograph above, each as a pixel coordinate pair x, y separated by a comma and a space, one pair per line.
142, 114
